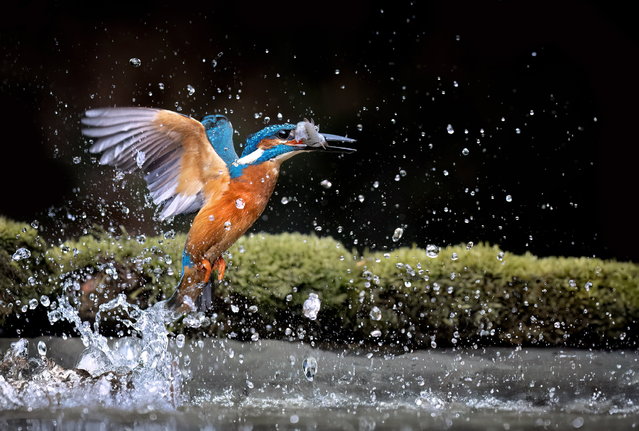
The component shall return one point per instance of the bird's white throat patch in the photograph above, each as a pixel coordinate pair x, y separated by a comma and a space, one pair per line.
250, 157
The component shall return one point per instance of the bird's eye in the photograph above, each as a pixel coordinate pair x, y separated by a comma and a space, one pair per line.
282, 134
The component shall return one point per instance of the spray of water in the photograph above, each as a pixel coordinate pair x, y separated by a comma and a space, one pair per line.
135, 372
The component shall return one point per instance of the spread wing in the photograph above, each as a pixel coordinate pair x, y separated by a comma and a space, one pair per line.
182, 170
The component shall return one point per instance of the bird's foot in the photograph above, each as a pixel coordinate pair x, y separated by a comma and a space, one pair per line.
207, 268
220, 266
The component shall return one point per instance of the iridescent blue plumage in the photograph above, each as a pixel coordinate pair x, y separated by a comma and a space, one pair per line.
253, 140
220, 133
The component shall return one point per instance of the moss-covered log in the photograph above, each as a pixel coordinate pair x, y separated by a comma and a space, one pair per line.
406, 298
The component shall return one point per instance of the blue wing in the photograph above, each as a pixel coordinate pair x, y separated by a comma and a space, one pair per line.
220, 133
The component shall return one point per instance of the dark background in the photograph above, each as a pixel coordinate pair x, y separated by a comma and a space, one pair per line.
542, 94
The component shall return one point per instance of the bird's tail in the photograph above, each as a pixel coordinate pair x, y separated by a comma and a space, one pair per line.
181, 303
205, 300
191, 294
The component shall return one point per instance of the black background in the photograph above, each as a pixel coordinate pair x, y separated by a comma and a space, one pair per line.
547, 92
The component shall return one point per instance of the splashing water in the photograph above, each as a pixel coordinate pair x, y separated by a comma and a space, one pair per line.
158, 384
131, 372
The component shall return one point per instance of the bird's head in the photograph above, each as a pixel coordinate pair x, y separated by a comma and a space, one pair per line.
281, 141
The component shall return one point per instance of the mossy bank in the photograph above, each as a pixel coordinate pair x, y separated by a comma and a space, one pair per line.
405, 299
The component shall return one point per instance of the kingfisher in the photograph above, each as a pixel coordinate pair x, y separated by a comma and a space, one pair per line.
192, 166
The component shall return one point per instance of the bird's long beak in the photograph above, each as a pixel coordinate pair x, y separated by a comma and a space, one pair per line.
337, 138
322, 144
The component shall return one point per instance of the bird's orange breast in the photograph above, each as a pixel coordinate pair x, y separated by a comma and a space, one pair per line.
224, 218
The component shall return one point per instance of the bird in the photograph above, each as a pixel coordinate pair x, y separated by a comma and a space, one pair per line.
191, 166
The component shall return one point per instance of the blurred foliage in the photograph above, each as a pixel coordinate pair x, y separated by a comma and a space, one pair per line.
459, 295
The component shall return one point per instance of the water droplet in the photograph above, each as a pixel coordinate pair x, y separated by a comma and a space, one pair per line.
397, 234
360, 198
360, 127
255, 337
42, 348
309, 366
239, 203
54, 316
500, 256
45, 301
432, 251
21, 253
279, 116
77, 160
454, 256
450, 129
33, 304
285, 200
312, 306
470, 245
227, 225
577, 422
376, 313
326, 184
190, 90
140, 158
509, 198
135, 62
179, 340
161, 85
376, 184
336, 71
465, 151
267, 120
376, 333
235, 308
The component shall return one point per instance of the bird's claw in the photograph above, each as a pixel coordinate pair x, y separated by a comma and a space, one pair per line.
220, 266
207, 268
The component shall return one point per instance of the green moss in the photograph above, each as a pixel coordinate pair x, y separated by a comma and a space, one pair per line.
266, 269
483, 295
460, 296
18, 277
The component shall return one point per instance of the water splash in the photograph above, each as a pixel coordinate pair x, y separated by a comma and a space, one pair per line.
136, 372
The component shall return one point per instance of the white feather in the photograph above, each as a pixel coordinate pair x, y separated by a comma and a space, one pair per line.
250, 158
